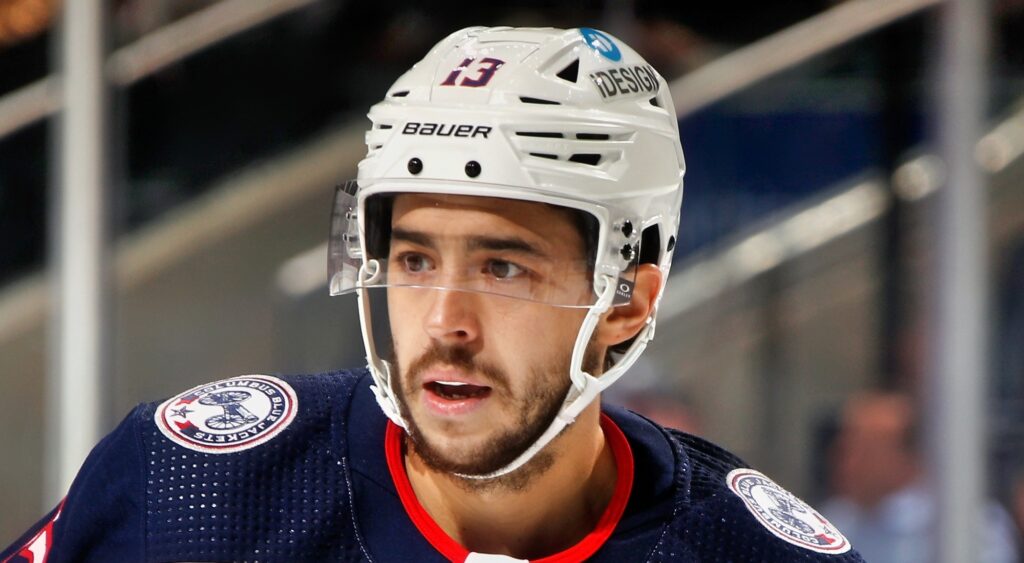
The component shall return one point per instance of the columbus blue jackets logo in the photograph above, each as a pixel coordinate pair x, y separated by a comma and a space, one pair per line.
230, 415
784, 514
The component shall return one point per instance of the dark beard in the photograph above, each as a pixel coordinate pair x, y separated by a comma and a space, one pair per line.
536, 412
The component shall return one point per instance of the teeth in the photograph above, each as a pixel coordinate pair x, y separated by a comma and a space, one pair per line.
452, 383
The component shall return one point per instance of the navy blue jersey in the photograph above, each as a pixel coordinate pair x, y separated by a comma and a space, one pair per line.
259, 468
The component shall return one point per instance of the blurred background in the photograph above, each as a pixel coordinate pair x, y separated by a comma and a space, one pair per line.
796, 326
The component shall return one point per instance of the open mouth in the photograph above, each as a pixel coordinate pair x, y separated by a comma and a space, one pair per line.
457, 391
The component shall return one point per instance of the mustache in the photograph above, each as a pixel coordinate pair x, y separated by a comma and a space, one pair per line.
456, 357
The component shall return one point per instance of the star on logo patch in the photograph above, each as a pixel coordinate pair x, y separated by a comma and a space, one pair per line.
182, 412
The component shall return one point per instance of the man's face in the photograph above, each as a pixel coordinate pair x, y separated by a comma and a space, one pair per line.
871, 457
481, 374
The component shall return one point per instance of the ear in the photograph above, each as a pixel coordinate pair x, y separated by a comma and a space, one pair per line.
621, 323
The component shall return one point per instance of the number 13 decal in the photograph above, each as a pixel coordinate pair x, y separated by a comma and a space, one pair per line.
487, 68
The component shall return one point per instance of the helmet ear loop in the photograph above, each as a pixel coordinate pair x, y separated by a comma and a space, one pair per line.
581, 379
586, 384
643, 338
380, 370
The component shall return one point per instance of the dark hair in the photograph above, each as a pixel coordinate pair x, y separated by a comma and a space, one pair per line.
377, 211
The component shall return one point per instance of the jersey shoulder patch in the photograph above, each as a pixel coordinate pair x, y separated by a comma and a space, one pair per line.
785, 515
230, 415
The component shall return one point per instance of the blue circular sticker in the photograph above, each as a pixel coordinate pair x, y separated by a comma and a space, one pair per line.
601, 43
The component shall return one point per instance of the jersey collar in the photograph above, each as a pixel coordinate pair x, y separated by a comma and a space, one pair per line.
451, 549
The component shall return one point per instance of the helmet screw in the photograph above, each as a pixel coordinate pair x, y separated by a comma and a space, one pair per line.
472, 169
415, 166
627, 252
627, 228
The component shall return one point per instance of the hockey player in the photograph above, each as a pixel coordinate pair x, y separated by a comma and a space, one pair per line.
508, 239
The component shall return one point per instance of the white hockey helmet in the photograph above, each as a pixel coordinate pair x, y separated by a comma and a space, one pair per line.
573, 118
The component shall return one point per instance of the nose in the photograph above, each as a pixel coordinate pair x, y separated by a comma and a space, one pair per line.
452, 317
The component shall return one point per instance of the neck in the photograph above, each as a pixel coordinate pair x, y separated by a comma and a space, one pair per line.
542, 508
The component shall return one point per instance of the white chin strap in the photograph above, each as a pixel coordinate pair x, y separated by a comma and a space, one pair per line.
380, 370
584, 389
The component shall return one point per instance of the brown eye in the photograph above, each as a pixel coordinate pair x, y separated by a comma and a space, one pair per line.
503, 270
415, 263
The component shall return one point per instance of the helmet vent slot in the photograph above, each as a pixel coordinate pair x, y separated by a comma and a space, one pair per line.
586, 158
544, 155
401, 94
593, 136
544, 134
570, 73
654, 102
650, 245
528, 100
384, 126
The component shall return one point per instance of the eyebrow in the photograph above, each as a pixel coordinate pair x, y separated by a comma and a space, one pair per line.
511, 243
414, 237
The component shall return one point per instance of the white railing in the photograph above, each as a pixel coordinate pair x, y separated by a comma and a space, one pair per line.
786, 49
148, 55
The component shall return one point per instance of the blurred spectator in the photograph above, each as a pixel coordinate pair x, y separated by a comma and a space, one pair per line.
880, 500
646, 390
24, 19
665, 410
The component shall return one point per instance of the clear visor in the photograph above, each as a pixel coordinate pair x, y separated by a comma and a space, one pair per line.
526, 250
